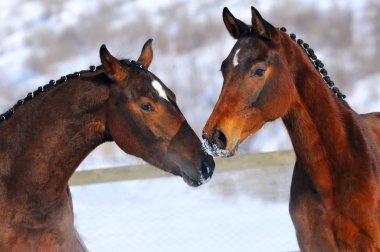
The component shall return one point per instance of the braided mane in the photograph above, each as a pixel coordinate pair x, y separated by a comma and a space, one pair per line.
319, 66
63, 79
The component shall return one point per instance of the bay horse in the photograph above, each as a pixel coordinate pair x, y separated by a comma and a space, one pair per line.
45, 136
335, 189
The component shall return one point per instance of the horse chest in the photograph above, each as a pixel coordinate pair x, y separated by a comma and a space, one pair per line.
310, 220
42, 229
332, 228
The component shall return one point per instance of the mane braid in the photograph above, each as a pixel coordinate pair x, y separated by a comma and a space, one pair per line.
319, 66
63, 79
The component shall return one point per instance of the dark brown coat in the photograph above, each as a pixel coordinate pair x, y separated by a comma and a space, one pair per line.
46, 138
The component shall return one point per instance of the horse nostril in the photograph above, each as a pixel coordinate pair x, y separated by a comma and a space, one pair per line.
207, 168
204, 137
219, 139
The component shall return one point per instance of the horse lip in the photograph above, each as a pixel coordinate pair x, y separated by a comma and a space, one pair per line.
213, 150
234, 149
188, 179
192, 182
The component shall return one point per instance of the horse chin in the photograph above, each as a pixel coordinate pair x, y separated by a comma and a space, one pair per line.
234, 150
188, 179
192, 182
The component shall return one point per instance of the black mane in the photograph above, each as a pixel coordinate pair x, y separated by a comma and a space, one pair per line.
6, 115
319, 66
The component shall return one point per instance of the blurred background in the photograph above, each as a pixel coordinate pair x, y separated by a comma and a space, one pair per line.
43, 40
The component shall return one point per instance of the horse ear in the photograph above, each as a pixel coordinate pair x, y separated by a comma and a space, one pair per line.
146, 55
112, 66
234, 26
259, 24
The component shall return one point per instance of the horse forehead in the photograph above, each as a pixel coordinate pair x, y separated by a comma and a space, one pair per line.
160, 89
235, 60
148, 85
251, 46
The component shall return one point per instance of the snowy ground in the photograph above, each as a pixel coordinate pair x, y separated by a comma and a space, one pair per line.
166, 215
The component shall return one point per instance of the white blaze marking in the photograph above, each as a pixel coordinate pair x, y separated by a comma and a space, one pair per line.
236, 58
159, 89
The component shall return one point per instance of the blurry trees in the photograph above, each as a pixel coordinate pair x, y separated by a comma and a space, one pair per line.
370, 39
190, 42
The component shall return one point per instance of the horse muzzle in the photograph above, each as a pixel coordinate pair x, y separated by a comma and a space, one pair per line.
206, 170
216, 145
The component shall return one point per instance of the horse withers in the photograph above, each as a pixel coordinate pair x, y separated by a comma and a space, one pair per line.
335, 189
45, 136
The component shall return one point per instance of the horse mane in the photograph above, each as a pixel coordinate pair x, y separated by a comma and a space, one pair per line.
318, 64
52, 83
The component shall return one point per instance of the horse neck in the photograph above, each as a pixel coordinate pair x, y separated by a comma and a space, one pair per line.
47, 137
327, 136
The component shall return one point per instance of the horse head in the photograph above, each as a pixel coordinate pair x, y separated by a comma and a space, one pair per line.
257, 87
144, 119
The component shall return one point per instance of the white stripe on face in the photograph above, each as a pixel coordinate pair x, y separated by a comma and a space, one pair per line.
235, 61
161, 92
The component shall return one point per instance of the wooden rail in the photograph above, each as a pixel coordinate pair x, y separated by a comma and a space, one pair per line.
146, 171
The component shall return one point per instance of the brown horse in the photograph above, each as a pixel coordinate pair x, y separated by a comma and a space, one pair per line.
44, 140
335, 191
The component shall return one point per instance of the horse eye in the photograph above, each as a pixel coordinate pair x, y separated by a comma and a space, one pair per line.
258, 72
147, 107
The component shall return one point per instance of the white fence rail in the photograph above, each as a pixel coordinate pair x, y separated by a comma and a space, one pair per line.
146, 171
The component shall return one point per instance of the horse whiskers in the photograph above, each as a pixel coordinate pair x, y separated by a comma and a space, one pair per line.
214, 150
